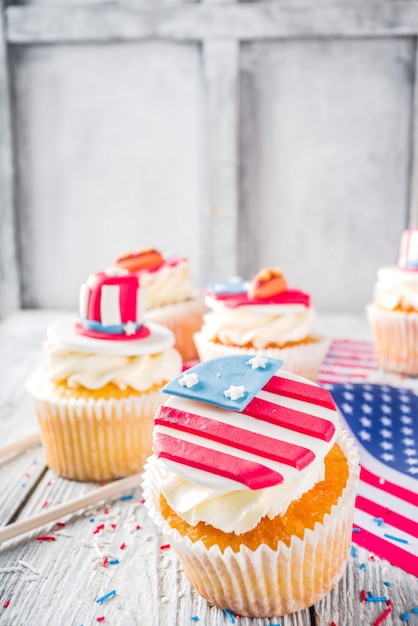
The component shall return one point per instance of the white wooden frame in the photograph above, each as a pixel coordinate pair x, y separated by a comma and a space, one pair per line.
220, 27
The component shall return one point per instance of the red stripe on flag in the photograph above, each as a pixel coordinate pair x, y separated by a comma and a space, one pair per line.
253, 475
300, 391
390, 517
400, 492
289, 418
255, 443
386, 550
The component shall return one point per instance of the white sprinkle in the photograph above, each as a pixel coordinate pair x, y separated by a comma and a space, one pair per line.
32, 569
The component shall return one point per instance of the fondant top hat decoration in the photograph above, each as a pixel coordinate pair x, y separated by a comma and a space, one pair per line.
408, 259
112, 306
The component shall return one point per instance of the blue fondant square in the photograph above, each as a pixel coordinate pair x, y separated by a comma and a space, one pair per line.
217, 375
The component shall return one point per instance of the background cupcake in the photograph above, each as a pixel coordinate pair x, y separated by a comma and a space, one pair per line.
96, 395
393, 314
169, 296
262, 315
253, 483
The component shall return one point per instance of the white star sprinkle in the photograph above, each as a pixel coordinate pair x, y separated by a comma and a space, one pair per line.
189, 380
234, 392
257, 361
129, 328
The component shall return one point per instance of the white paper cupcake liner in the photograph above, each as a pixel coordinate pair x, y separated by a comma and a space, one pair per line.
266, 582
303, 359
395, 336
97, 439
183, 319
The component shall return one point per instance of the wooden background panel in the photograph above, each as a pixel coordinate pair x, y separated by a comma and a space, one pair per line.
326, 133
109, 158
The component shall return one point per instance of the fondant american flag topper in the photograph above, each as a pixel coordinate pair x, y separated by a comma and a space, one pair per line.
244, 421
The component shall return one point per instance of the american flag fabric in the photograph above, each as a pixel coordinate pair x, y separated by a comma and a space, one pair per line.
383, 418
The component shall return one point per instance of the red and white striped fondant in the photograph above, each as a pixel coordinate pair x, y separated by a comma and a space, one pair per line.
112, 302
287, 426
408, 258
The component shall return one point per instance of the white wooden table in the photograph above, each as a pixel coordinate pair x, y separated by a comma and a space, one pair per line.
114, 547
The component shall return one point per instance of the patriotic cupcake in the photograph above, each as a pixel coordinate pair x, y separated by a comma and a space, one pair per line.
264, 316
169, 296
96, 395
393, 314
253, 483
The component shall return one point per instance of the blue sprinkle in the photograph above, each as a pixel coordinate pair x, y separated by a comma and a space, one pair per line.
229, 616
395, 538
415, 610
353, 551
379, 520
194, 618
129, 497
377, 599
356, 530
405, 617
387, 583
35, 462
23, 485
363, 566
114, 562
91, 519
369, 594
106, 596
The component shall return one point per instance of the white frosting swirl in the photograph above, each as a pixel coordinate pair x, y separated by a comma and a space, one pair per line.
235, 511
260, 326
396, 288
167, 285
94, 371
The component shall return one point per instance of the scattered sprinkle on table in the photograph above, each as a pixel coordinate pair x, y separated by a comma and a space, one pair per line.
122, 546
229, 616
106, 596
45, 538
165, 546
385, 614
6, 604
127, 497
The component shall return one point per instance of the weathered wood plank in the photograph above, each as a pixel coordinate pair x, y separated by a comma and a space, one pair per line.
244, 21
9, 272
221, 70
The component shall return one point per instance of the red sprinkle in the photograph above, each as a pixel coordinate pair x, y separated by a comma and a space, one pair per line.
113, 526
102, 484
363, 596
105, 510
44, 504
165, 546
101, 619
143, 501
122, 546
384, 615
138, 526
98, 529
333, 624
104, 562
59, 524
6, 604
49, 483
45, 538
371, 557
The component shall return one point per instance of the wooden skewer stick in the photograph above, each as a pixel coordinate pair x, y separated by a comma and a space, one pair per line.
22, 444
54, 514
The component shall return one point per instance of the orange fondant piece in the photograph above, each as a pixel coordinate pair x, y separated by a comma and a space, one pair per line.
140, 260
268, 282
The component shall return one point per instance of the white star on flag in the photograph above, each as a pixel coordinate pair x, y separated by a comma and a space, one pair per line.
189, 380
235, 392
258, 361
